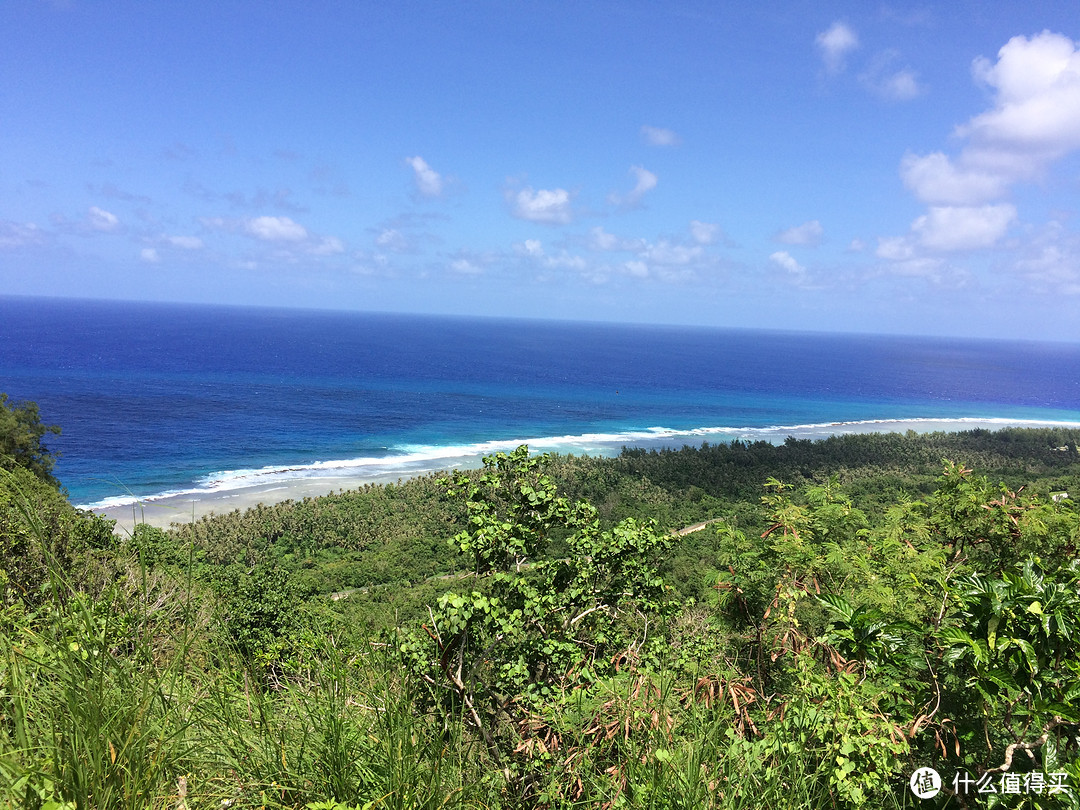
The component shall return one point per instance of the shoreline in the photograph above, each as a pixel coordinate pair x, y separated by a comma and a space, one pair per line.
246, 489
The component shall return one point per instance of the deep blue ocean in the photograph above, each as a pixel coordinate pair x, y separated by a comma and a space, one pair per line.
166, 398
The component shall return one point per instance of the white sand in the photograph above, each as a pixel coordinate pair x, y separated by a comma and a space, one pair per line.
164, 511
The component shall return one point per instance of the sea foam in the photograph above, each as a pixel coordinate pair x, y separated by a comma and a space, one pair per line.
411, 460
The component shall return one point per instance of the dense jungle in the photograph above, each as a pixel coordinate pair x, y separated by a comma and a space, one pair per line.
802, 625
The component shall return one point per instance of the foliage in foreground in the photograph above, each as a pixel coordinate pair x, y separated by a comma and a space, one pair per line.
22, 435
835, 649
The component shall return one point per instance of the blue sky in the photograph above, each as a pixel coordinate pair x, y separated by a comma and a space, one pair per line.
859, 166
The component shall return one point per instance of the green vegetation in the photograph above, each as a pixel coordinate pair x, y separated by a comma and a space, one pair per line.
727, 626
21, 435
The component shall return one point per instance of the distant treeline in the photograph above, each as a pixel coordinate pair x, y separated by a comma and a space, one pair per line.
397, 533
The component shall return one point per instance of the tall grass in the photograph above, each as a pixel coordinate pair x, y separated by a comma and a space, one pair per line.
96, 709
123, 696
347, 733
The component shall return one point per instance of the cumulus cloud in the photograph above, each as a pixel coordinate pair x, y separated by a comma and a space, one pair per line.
645, 181
795, 271
1034, 121
101, 220
429, 182
149, 255
900, 86
883, 78
658, 136
19, 234
466, 267
936, 179
948, 228
326, 246
665, 252
1051, 261
809, 234
835, 43
704, 233
533, 249
599, 239
288, 240
895, 248
1037, 82
392, 239
275, 229
546, 206
787, 261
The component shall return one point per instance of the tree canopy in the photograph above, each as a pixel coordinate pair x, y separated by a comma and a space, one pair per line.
21, 439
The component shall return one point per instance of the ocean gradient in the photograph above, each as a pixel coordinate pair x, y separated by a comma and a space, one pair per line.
159, 400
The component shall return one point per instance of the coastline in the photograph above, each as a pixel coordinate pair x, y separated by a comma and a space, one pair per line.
244, 489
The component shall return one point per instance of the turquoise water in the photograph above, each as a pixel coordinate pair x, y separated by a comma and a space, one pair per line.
159, 398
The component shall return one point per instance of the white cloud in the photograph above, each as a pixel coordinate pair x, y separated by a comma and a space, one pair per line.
547, 206
534, 250
664, 252
568, 261
785, 260
704, 233
645, 181
289, 240
185, 242
1053, 265
533, 247
658, 136
882, 77
948, 228
428, 181
16, 234
835, 43
809, 233
327, 246
1034, 121
636, 268
149, 255
101, 220
466, 267
936, 179
944, 229
1051, 260
901, 86
392, 239
1038, 94
599, 239
895, 248
275, 229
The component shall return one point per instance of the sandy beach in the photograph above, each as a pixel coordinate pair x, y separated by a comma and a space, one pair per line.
165, 510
